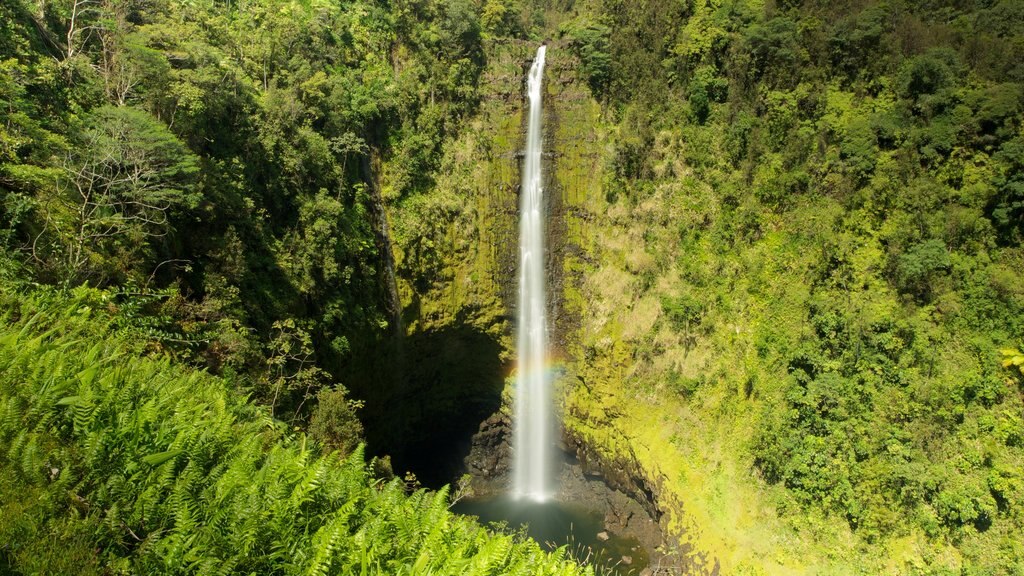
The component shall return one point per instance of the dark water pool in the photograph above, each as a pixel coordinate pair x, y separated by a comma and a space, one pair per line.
555, 524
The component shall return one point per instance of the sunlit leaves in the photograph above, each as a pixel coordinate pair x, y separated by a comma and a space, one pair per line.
1013, 359
175, 473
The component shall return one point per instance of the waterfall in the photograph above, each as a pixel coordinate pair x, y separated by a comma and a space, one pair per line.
533, 411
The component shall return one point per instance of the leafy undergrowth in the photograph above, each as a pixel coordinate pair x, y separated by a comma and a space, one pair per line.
782, 442
117, 463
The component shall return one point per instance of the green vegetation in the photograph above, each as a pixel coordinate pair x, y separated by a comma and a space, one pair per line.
231, 172
115, 462
825, 201
223, 175
790, 282
223, 161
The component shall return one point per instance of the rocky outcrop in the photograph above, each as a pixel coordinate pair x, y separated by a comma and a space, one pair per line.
626, 477
623, 516
490, 456
623, 474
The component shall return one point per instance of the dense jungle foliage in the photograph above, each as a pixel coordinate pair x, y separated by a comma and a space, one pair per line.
832, 198
219, 165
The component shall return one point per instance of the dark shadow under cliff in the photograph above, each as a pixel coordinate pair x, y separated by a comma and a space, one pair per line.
426, 395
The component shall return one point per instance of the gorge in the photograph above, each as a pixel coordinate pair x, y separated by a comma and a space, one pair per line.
550, 496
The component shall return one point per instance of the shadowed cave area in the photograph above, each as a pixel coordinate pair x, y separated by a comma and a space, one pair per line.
426, 396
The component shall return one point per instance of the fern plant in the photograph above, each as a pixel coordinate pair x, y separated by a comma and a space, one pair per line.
133, 464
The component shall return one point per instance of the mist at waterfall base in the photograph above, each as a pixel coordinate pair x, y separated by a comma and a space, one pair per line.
530, 504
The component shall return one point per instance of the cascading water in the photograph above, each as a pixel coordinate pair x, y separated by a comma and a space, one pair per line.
576, 518
533, 410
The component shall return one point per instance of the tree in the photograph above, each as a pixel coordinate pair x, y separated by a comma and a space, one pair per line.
121, 180
82, 17
292, 366
1008, 209
459, 28
919, 267
501, 18
591, 41
777, 53
334, 421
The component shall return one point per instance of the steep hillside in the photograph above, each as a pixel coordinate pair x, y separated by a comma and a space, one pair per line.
797, 265
782, 279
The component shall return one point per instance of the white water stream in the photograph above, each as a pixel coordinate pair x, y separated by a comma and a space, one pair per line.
533, 410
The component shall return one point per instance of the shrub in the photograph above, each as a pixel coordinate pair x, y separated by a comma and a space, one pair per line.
334, 423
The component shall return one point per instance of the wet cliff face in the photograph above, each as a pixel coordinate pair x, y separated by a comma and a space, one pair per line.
456, 251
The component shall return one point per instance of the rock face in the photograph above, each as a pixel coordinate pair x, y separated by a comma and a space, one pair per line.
454, 272
623, 515
625, 475
490, 455
572, 187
